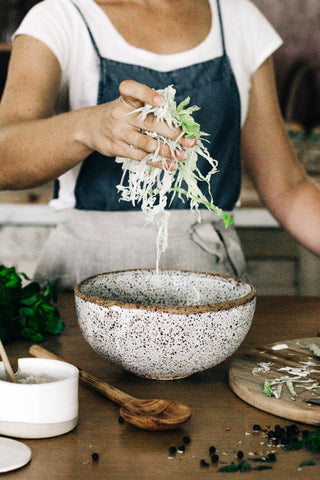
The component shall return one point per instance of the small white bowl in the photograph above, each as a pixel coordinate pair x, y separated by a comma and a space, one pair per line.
39, 410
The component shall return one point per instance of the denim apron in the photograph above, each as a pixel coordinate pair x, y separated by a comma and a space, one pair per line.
103, 233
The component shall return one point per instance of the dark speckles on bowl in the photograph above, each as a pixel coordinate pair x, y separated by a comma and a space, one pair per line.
167, 324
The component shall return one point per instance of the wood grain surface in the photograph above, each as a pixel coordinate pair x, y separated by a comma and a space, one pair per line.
220, 418
249, 386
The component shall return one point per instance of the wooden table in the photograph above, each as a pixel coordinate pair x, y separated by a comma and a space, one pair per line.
219, 417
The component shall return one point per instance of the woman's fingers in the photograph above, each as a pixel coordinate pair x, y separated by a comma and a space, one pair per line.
116, 131
134, 94
148, 144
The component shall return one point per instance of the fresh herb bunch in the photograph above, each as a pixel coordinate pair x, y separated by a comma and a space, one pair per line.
25, 311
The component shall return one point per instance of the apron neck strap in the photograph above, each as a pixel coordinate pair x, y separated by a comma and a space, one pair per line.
98, 52
221, 28
89, 31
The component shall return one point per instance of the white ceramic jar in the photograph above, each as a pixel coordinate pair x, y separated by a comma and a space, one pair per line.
39, 410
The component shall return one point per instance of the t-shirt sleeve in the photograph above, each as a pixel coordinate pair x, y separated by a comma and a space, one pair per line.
259, 38
50, 23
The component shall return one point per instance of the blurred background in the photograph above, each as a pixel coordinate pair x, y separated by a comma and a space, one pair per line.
277, 264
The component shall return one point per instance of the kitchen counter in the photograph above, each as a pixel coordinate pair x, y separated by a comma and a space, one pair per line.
219, 417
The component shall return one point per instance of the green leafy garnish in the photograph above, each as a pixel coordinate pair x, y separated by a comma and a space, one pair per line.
26, 312
151, 187
240, 467
267, 389
311, 442
314, 349
262, 467
307, 463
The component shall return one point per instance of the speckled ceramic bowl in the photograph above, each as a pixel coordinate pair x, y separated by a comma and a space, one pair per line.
167, 324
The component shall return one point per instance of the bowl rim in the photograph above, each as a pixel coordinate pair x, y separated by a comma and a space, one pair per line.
171, 309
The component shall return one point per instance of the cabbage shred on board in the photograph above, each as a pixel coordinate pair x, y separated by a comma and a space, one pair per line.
155, 188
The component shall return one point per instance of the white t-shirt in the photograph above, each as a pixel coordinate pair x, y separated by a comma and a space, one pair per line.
249, 40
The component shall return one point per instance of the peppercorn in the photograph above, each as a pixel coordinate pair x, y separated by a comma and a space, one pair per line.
203, 463
214, 458
292, 430
271, 457
121, 420
240, 454
186, 439
181, 448
212, 449
95, 456
256, 428
172, 450
279, 432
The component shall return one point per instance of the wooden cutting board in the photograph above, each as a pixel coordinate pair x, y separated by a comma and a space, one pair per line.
249, 387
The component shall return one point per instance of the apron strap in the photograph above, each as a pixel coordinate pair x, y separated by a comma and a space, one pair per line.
89, 31
98, 52
221, 28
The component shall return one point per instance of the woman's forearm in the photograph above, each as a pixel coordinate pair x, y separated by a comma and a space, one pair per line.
37, 151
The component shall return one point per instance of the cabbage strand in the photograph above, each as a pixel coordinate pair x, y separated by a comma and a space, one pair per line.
144, 184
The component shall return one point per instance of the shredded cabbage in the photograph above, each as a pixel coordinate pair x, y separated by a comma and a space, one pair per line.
144, 184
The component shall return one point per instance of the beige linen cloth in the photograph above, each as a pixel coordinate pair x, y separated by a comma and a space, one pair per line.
85, 243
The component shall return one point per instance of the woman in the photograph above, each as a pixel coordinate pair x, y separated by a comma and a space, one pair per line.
99, 60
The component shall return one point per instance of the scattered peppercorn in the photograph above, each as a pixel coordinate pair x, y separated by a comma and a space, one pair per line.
240, 454
292, 430
203, 463
271, 457
212, 449
256, 428
121, 420
186, 440
215, 458
181, 448
172, 450
95, 456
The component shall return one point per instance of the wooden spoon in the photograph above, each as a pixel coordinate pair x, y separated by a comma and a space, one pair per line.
7, 364
150, 414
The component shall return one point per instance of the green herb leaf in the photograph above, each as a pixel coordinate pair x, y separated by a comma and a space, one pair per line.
267, 389
25, 311
262, 467
307, 463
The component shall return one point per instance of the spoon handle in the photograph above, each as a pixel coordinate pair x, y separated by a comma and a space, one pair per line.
113, 393
7, 364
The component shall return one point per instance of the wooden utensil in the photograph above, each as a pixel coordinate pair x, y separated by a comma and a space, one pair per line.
7, 364
150, 414
249, 387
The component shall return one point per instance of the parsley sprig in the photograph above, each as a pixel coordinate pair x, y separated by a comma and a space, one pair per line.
25, 311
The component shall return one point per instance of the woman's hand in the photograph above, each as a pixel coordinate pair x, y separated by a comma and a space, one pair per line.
113, 130
50, 145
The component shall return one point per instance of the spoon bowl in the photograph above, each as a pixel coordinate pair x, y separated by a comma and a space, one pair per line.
155, 414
